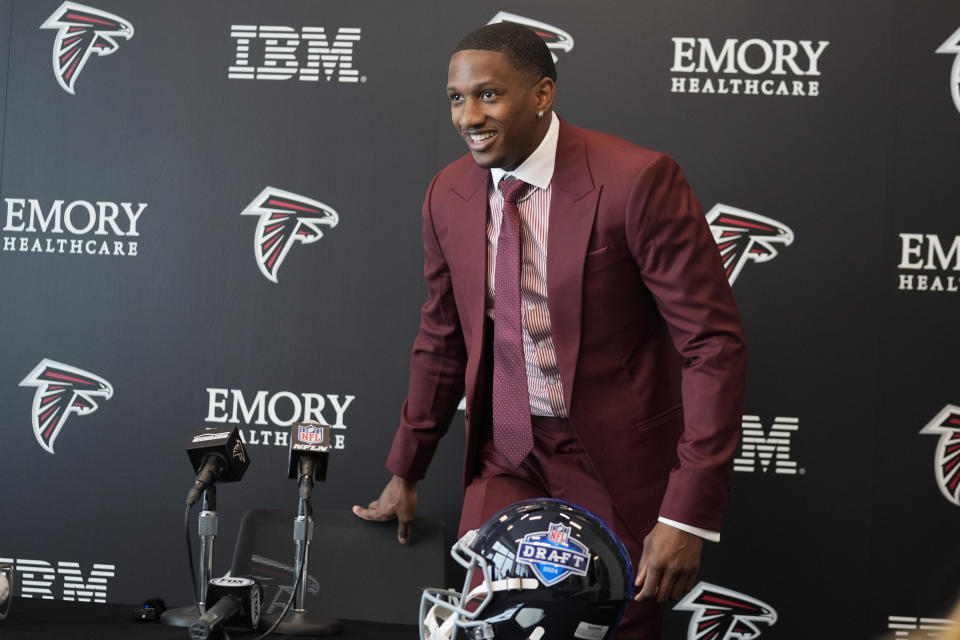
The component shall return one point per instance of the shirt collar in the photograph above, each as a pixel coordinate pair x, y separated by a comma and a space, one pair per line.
537, 169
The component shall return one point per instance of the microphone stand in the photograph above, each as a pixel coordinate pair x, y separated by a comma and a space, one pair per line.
208, 522
207, 525
299, 621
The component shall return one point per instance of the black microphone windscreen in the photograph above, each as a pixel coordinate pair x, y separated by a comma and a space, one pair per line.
226, 444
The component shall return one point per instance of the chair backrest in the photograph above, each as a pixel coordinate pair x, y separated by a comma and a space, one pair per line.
357, 569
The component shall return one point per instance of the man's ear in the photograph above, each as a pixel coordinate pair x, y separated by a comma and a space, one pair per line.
545, 90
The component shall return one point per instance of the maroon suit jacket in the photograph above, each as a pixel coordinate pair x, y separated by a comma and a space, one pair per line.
649, 342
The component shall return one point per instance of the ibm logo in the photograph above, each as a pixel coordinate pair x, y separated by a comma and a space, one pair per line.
915, 628
771, 450
277, 49
36, 577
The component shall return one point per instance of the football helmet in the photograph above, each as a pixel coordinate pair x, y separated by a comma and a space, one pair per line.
539, 569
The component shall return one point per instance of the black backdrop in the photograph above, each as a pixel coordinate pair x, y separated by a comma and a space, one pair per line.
836, 520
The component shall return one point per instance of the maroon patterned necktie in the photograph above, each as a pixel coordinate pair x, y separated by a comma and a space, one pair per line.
511, 399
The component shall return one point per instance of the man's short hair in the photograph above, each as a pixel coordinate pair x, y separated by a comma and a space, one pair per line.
526, 50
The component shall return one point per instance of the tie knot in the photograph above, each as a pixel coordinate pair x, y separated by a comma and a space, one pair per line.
511, 187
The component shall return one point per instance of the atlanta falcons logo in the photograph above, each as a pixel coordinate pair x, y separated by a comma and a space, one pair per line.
946, 424
285, 218
61, 391
239, 453
82, 32
743, 236
952, 45
723, 614
556, 39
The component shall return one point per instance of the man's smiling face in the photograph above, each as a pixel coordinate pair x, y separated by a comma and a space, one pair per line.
494, 107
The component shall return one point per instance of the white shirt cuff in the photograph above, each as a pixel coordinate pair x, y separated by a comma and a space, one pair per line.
706, 534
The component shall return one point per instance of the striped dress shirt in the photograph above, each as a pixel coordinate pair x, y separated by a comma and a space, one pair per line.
543, 375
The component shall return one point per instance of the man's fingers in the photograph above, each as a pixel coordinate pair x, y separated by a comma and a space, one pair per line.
641, 575
665, 588
360, 512
397, 500
679, 587
403, 531
650, 583
371, 513
642, 565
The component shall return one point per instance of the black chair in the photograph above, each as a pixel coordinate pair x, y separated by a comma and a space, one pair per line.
357, 569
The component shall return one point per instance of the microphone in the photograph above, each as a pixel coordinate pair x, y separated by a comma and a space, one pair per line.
309, 450
238, 603
216, 456
6, 589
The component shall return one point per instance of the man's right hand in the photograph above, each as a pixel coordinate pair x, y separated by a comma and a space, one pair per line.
397, 500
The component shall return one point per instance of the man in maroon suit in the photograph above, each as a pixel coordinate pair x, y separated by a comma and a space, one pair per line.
630, 349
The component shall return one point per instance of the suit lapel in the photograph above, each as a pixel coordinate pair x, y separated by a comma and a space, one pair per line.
573, 207
469, 235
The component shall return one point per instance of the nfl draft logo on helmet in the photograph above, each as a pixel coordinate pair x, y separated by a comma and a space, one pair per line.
952, 45
724, 614
571, 581
82, 31
743, 236
553, 555
556, 39
946, 424
285, 218
61, 390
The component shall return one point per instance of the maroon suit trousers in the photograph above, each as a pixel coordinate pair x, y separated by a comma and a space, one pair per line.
558, 467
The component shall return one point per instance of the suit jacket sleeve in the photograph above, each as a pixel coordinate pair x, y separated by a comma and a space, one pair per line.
680, 264
437, 364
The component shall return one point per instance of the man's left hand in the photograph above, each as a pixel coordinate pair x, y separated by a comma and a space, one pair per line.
669, 564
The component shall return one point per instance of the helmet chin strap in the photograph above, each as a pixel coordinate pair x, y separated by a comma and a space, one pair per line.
508, 584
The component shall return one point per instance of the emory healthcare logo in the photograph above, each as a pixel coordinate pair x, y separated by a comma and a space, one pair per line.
285, 218
80, 227
265, 417
743, 236
61, 391
936, 257
556, 39
81, 32
553, 554
738, 67
946, 424
724, 614
952, 45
